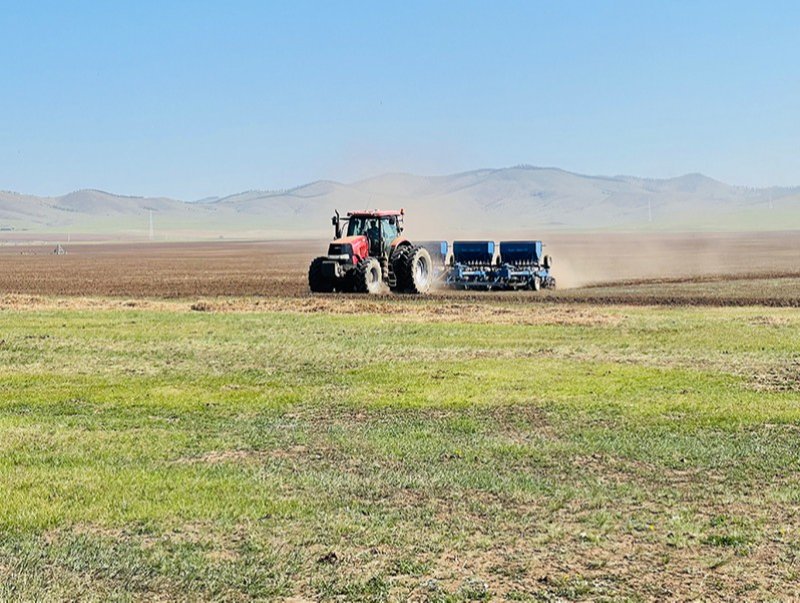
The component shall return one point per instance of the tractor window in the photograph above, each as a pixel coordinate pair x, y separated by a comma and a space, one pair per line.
357, 226
389, 228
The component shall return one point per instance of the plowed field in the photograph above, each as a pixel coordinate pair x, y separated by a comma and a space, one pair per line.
695, 269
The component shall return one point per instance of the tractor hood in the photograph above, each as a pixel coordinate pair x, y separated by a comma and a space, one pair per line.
349, 249
349, 240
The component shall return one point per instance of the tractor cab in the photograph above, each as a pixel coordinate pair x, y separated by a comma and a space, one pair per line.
381, 229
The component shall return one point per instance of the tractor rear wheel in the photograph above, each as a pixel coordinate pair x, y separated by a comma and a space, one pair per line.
317, 281
396, 260
367, 277
414, 270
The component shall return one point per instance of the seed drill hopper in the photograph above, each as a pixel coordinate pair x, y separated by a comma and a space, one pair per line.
484, 266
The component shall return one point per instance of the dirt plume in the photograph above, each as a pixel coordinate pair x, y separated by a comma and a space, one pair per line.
581, 260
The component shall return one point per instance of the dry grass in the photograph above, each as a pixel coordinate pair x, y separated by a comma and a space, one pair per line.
403, 308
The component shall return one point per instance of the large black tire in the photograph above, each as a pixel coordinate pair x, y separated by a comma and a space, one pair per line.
396, 260
413, 269
367, 276
346, 284
317, 281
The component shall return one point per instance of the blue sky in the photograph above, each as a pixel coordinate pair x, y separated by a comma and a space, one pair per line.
190, 98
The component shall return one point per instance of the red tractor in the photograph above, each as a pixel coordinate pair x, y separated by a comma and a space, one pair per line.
371, 254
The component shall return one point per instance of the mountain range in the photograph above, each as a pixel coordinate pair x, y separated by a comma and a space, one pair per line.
518, 199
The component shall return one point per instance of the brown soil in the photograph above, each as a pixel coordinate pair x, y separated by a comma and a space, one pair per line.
718, 269
159, 270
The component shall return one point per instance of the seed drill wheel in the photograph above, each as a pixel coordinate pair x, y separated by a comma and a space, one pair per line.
414, 270
317, 281
536, 283
367, 277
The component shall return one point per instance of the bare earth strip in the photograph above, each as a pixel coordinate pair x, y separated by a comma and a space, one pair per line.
688, 269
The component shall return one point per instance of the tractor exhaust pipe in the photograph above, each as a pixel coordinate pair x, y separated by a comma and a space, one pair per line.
337, 228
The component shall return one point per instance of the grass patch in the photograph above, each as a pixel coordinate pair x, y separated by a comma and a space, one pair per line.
241, 456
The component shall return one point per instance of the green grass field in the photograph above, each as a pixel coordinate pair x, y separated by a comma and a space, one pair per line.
544, 452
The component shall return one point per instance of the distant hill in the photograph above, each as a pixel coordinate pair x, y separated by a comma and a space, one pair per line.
518, 199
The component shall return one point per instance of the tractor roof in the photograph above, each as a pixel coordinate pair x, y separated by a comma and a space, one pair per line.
375, 213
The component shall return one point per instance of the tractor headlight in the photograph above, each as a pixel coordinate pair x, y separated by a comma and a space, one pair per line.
342, 252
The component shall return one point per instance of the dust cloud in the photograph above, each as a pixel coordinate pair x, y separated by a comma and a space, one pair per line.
588, 259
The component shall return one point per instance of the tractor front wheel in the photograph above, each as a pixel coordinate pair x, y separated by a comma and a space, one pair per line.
367, 277
317, 281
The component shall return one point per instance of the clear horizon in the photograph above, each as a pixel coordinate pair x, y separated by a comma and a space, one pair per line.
203, 99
